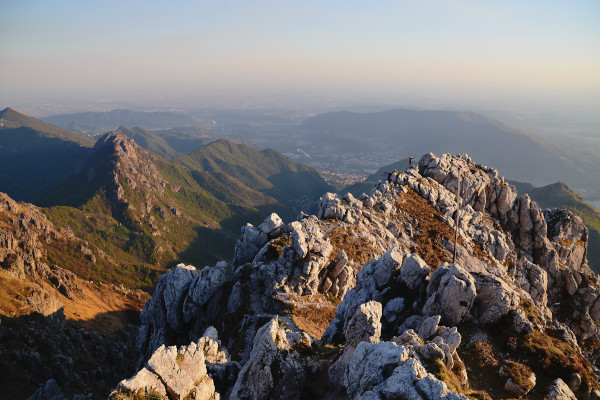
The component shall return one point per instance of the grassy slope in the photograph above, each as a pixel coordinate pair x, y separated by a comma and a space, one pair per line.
262, 178
148, 141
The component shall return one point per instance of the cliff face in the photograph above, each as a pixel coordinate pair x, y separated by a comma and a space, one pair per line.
54, 325
362, 300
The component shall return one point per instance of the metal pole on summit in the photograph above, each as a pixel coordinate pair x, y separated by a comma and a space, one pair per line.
457, 217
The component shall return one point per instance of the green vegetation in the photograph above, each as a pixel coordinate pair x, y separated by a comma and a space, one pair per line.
190, 212
244, 175
556, 357
148, 141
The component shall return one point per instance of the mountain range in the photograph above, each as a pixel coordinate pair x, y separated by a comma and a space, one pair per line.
142, 211
376, 296
100, 122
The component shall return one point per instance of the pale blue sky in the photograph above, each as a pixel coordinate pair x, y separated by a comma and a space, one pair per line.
84, 45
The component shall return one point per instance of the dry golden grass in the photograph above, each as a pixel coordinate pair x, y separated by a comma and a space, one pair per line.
312, 314
102, 309
357, 248
13, 296
433, 232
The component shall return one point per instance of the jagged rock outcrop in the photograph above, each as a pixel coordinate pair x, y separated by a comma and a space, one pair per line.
560, 390
513, 308
25, 233
273, 370
182, 297
178, 373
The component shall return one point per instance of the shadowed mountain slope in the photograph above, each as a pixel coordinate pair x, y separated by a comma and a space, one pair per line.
34, 154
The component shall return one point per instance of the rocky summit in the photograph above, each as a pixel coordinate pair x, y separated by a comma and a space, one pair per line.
365, 300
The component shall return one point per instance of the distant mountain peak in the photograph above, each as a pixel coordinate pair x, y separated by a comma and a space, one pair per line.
13, 119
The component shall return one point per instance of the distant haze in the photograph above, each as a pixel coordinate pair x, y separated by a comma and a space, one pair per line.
466, 49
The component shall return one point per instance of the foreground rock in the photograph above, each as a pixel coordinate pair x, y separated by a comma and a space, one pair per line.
517, 310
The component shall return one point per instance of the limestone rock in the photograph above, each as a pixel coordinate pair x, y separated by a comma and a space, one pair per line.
559, 390
365, 325
375, 274
414, 271
270, 223
429, 327
175, 372
451, 292
387, 370
269, 355
205, 288
143, 381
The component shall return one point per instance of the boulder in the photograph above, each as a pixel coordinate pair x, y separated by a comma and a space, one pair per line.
143, 382
559, 390
271, 371
451, 292
414, 271
365, 324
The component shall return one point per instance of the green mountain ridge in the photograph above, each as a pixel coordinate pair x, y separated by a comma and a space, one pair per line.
12, 119
148, 141
150, 211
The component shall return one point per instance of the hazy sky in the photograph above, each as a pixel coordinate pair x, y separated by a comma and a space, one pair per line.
84, 46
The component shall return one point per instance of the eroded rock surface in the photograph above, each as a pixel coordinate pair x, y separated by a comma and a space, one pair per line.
408, 322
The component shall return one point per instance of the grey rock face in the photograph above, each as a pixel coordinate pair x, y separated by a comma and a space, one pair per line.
176, 373
387, 370
365, 325
511, 259
205, 288
414, 271
143, 381
451, 292
372, 276
270, 352
559, 390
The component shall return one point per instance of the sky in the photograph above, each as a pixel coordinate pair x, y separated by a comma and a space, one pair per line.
74, 48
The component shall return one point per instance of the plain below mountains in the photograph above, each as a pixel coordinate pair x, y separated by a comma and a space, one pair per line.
100, 122
352, 138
